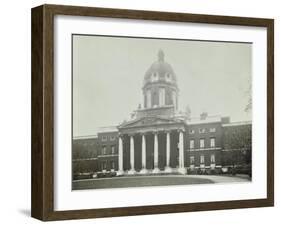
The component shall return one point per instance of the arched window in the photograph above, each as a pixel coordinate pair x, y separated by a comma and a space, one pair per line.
154, 76
168, 77
168, 98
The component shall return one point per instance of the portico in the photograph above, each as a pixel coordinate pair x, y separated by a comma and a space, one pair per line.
151, 149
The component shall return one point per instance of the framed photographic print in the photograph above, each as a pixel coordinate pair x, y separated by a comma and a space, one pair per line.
141, 112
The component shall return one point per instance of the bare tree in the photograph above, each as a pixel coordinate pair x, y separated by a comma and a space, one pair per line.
238, 143
248, 107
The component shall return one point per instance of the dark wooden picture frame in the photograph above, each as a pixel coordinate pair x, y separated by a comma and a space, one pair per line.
42, 203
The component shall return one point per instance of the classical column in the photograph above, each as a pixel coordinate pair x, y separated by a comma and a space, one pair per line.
144, 100
160, 97
164, 97
168, 152
120, 156
143, 154
148, 99
156, 169
174, 97
132, 155
181, 152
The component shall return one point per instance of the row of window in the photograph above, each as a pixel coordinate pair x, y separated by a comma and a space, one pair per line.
85, 144
202, 159
106, 138
202, 130
191, 131
155, 77
202, 143
191, 145
112, 150
192, 161
104, 165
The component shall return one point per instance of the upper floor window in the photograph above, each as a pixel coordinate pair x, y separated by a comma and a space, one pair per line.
154, 77
112, 138
212, 130
213, 142
202, 143
202, 130
103, 150
202, 159
191, 144
104, 138
213, 159
191, 131
112, 149
192, 160
168, 77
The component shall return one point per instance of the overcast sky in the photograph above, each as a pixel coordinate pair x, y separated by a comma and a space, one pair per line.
108, 74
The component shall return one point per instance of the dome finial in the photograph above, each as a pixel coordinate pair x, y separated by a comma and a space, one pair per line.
161, 55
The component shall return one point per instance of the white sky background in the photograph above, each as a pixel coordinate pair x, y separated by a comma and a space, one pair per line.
108, 75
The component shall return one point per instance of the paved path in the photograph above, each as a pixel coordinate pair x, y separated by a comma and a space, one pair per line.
222, 179
142, 181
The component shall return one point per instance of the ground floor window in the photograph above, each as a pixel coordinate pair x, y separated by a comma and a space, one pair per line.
103, 165
213, 159
191, 160
112, 165
202, 159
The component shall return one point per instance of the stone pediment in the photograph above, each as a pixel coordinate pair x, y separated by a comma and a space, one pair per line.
148, 121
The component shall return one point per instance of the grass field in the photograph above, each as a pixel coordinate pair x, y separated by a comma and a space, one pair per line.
123, 182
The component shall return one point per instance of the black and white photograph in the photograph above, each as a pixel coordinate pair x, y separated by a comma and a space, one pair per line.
160, 112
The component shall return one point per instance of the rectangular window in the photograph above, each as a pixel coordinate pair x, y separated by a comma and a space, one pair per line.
104, 138
202, 159
191, 144
112, 149
212, 130
213, 159
191, 131
202, 143
103, 165
103, 150
202, 130
112, 138
112, 165
213, 142
191, 160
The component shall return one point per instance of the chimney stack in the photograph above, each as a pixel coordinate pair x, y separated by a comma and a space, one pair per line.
203, 115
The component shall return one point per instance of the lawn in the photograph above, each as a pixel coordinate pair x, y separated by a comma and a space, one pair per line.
123, 182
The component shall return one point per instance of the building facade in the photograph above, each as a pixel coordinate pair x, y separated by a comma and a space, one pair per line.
159, 138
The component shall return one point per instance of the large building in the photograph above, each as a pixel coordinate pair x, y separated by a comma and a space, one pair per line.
159, 138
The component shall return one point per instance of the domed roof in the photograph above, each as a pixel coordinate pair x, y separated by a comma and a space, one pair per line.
160, 71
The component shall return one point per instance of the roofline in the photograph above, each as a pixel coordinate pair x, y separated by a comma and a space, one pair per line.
158, 107
237, 123
218, 118
85, 137
107, 129
203, 122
